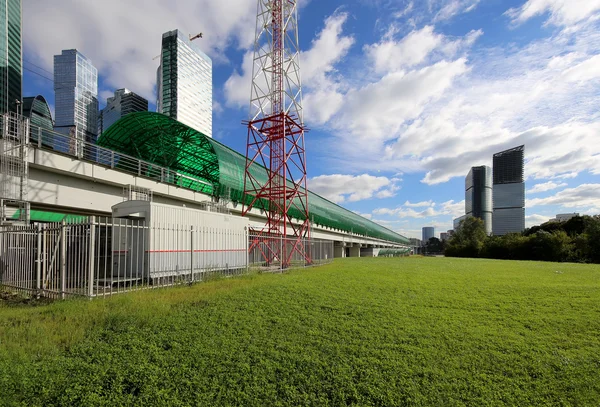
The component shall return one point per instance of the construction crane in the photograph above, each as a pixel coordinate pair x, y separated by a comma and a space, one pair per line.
195, 37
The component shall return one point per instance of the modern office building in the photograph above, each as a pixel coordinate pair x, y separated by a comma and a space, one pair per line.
428, 233
184, 83
37, 110
509, 191
11, 55
76, 99
456, 221
444, 236
478, 195
121, 104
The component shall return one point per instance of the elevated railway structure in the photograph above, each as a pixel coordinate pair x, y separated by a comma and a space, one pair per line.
146, 151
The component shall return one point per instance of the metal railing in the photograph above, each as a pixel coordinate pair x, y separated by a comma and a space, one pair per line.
88, 151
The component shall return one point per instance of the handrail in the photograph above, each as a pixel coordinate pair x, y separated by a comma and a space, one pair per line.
45, 139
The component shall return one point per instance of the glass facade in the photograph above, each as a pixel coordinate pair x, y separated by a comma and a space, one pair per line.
184, 83
428, 233
76, 96
478, 195
37, 110
11, 57
509, 192
121, 104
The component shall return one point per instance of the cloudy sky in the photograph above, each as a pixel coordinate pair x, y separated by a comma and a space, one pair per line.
402, 97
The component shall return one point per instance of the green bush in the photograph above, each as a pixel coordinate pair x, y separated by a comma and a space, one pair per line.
576, 240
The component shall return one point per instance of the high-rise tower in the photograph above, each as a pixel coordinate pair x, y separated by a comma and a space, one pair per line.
121, 104
276, 136
11, 57
478, 195
509, 192
76, 99
184, 82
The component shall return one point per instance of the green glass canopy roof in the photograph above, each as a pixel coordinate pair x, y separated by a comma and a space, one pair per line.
45, 216
160, 140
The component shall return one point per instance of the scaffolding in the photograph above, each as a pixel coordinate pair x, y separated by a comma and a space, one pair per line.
14, 169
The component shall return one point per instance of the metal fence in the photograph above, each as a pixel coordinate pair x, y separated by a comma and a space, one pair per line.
105, 256
265, 251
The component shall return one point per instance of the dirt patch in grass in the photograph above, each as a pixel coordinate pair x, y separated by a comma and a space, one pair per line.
18, 300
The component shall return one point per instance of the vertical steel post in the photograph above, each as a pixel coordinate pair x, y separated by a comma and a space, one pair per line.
63, 259
191, 253
38, 271
92, 250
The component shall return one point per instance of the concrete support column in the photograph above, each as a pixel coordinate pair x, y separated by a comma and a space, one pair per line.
355, 251
339, 251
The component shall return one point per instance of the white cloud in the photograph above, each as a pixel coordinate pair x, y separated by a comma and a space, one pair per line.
585, 71
121, 43
504, 99
422, 204
390, 56
377, 110
452, 8
534, 220
348, 188
448, 208
584, 195
327, 49
562, 12
546, 186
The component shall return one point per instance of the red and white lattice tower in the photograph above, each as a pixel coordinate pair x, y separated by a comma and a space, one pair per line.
276, 137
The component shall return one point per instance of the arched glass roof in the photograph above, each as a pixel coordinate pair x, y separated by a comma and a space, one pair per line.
160, 140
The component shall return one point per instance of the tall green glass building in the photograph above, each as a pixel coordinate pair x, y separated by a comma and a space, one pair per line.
11, 58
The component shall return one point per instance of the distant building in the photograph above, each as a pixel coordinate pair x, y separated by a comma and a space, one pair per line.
428, 233
11, 55
121, 104
37, 110
184, 83
563, 217
456, 222
509, 191
444, 236
415, 242
76, 100
478, 195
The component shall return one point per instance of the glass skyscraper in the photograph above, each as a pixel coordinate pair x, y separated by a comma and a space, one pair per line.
478, 195
509, 192
121, 104
184, 83
76, 97
37, 110
428, 233
11, 57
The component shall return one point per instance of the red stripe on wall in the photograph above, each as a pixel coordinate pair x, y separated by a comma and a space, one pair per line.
195, 251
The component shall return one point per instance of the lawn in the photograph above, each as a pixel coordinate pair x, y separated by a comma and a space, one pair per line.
364, 332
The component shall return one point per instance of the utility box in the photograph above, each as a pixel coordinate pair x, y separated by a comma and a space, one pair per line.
152, 240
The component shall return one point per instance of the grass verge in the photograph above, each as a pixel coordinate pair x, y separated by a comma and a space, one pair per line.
381, 332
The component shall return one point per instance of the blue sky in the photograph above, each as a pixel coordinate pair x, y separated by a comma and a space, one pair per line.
402, 97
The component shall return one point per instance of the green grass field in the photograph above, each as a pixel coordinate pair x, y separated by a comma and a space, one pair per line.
364, 332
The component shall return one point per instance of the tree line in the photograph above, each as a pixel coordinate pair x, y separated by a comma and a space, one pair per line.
575, 240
